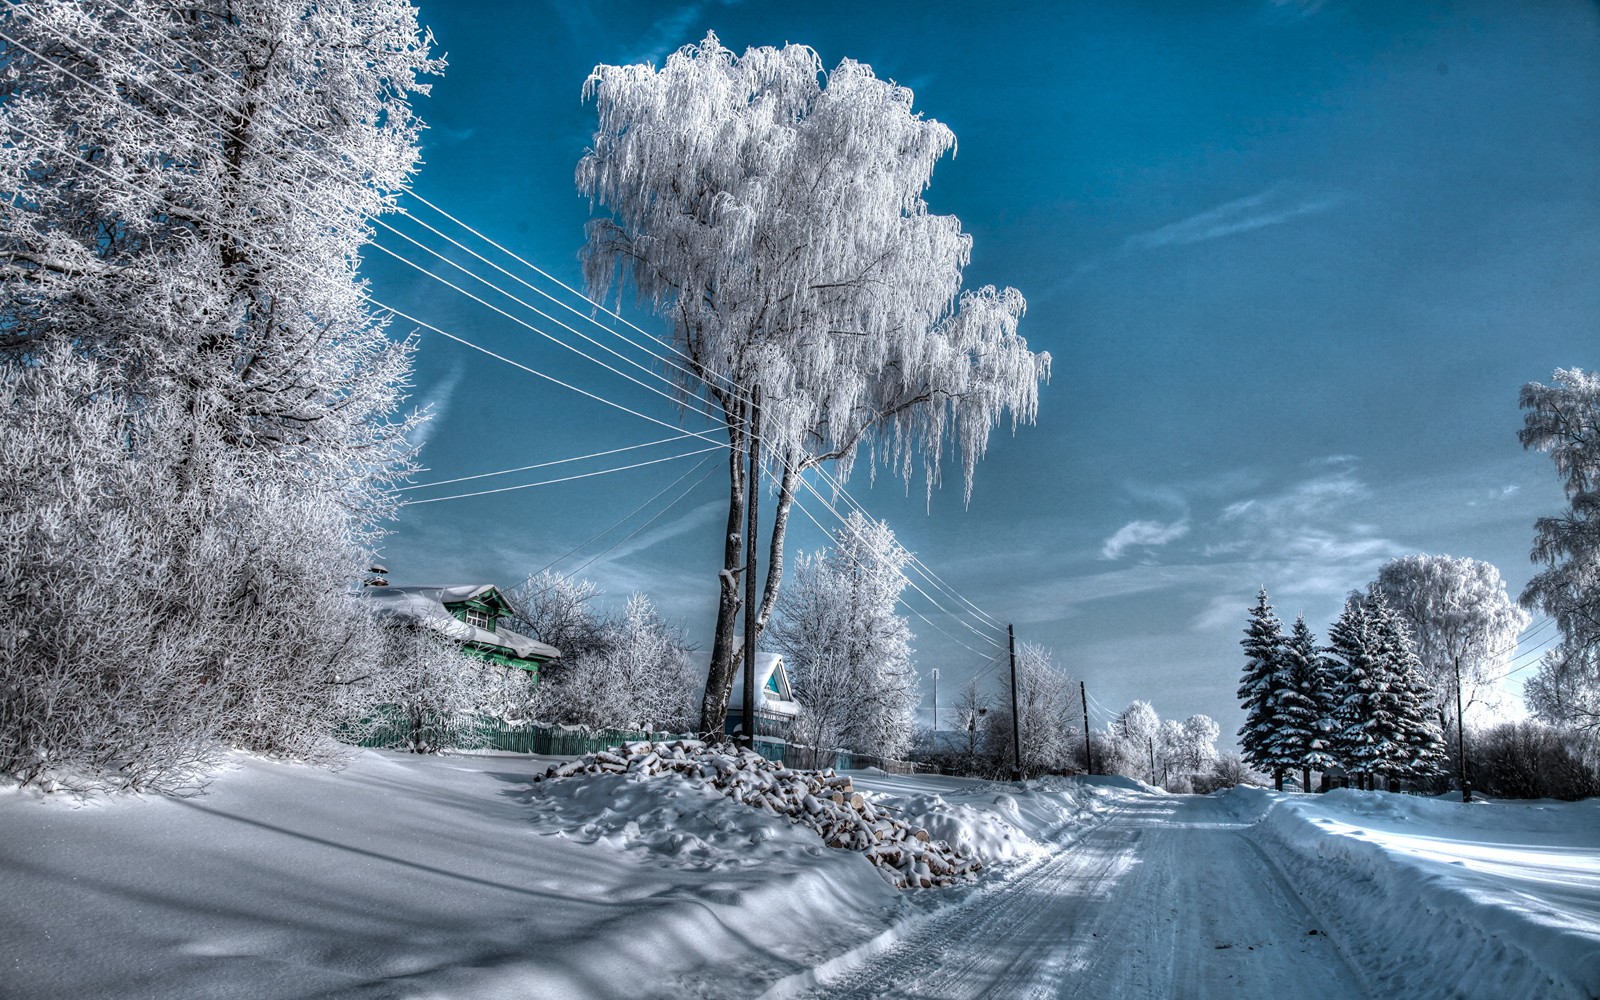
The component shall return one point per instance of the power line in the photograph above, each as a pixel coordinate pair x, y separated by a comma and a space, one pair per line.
529, 326
653, 518
563, 479
929, 576
620, 521
541, 465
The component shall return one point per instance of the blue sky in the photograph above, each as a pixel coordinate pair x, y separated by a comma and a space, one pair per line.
1293, 262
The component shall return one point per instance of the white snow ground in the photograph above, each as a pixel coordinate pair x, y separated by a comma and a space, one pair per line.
407, 876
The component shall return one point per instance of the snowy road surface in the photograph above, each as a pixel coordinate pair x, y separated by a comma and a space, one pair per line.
1168, 898
405, 877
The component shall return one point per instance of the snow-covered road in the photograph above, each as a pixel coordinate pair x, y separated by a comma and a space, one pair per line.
404, 877
1170, 897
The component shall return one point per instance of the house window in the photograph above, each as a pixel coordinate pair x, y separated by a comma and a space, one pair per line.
482, 619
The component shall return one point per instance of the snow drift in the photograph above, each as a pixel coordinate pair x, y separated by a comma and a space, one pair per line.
1441, 898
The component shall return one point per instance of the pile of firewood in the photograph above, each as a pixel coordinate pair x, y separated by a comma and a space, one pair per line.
822, 800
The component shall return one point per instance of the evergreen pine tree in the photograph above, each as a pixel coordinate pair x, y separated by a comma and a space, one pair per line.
1359, 719
1417, 745
1303, 716
1263, 644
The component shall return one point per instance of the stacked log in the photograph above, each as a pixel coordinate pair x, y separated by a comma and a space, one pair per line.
822, 800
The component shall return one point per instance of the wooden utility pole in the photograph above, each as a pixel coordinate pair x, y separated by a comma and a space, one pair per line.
1461, 739
936, 708
1150, 741
1088, 752
1016, 729
752, 525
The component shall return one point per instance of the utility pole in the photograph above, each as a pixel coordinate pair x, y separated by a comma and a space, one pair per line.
1461, 739
1151, 743
752, 525
936, 707
1016, 737
1088, 753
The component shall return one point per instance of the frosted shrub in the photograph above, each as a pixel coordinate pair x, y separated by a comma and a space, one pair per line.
156, 625
199, 410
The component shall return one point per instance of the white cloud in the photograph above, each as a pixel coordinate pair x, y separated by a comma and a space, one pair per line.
1265, 208
1147, 533
437, 405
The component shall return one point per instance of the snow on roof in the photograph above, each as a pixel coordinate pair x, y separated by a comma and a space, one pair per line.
426, 606
770, 675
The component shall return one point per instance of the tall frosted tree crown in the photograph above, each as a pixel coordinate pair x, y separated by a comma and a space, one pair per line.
774, 215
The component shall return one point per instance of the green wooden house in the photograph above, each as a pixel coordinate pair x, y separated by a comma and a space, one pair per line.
469, 614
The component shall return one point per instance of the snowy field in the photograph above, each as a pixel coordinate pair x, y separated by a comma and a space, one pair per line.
405, 876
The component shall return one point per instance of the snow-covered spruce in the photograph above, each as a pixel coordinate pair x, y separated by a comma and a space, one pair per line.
823, 800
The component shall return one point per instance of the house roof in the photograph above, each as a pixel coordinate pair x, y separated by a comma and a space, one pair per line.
772, 687
426, 606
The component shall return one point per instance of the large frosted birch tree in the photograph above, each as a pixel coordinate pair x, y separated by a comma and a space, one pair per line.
773, 215
1564, 419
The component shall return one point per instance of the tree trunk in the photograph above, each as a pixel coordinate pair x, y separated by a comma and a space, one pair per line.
1277, 779
724, 656
1305, 779
780, 528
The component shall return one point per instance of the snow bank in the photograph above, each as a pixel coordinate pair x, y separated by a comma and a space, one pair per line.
1491, 899
406, 876
995, 821
823, 801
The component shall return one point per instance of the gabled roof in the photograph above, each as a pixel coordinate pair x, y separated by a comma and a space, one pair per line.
773, 693
425, 606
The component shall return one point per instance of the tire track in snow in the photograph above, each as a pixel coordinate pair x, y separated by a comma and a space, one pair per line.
1165, 899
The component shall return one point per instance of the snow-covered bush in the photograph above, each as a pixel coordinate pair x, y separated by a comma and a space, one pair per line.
427, 696
152, 624
1047, 718
847, 651
629, 671
198, 407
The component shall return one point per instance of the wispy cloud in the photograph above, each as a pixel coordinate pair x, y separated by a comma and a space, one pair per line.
704, 514
673, 30
437, 405
1142, 533
1302, 8
1267, 208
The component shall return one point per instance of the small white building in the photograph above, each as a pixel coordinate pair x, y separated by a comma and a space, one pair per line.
775, 708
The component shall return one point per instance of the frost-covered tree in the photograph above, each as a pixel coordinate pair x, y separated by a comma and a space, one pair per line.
1382, 726
1463, 627
773, 215
1564, 419
1303, 712
1418, 745
1130, 742
628, 671
1046, 717
1359, 728
1263, 677
847, 650
205, 403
